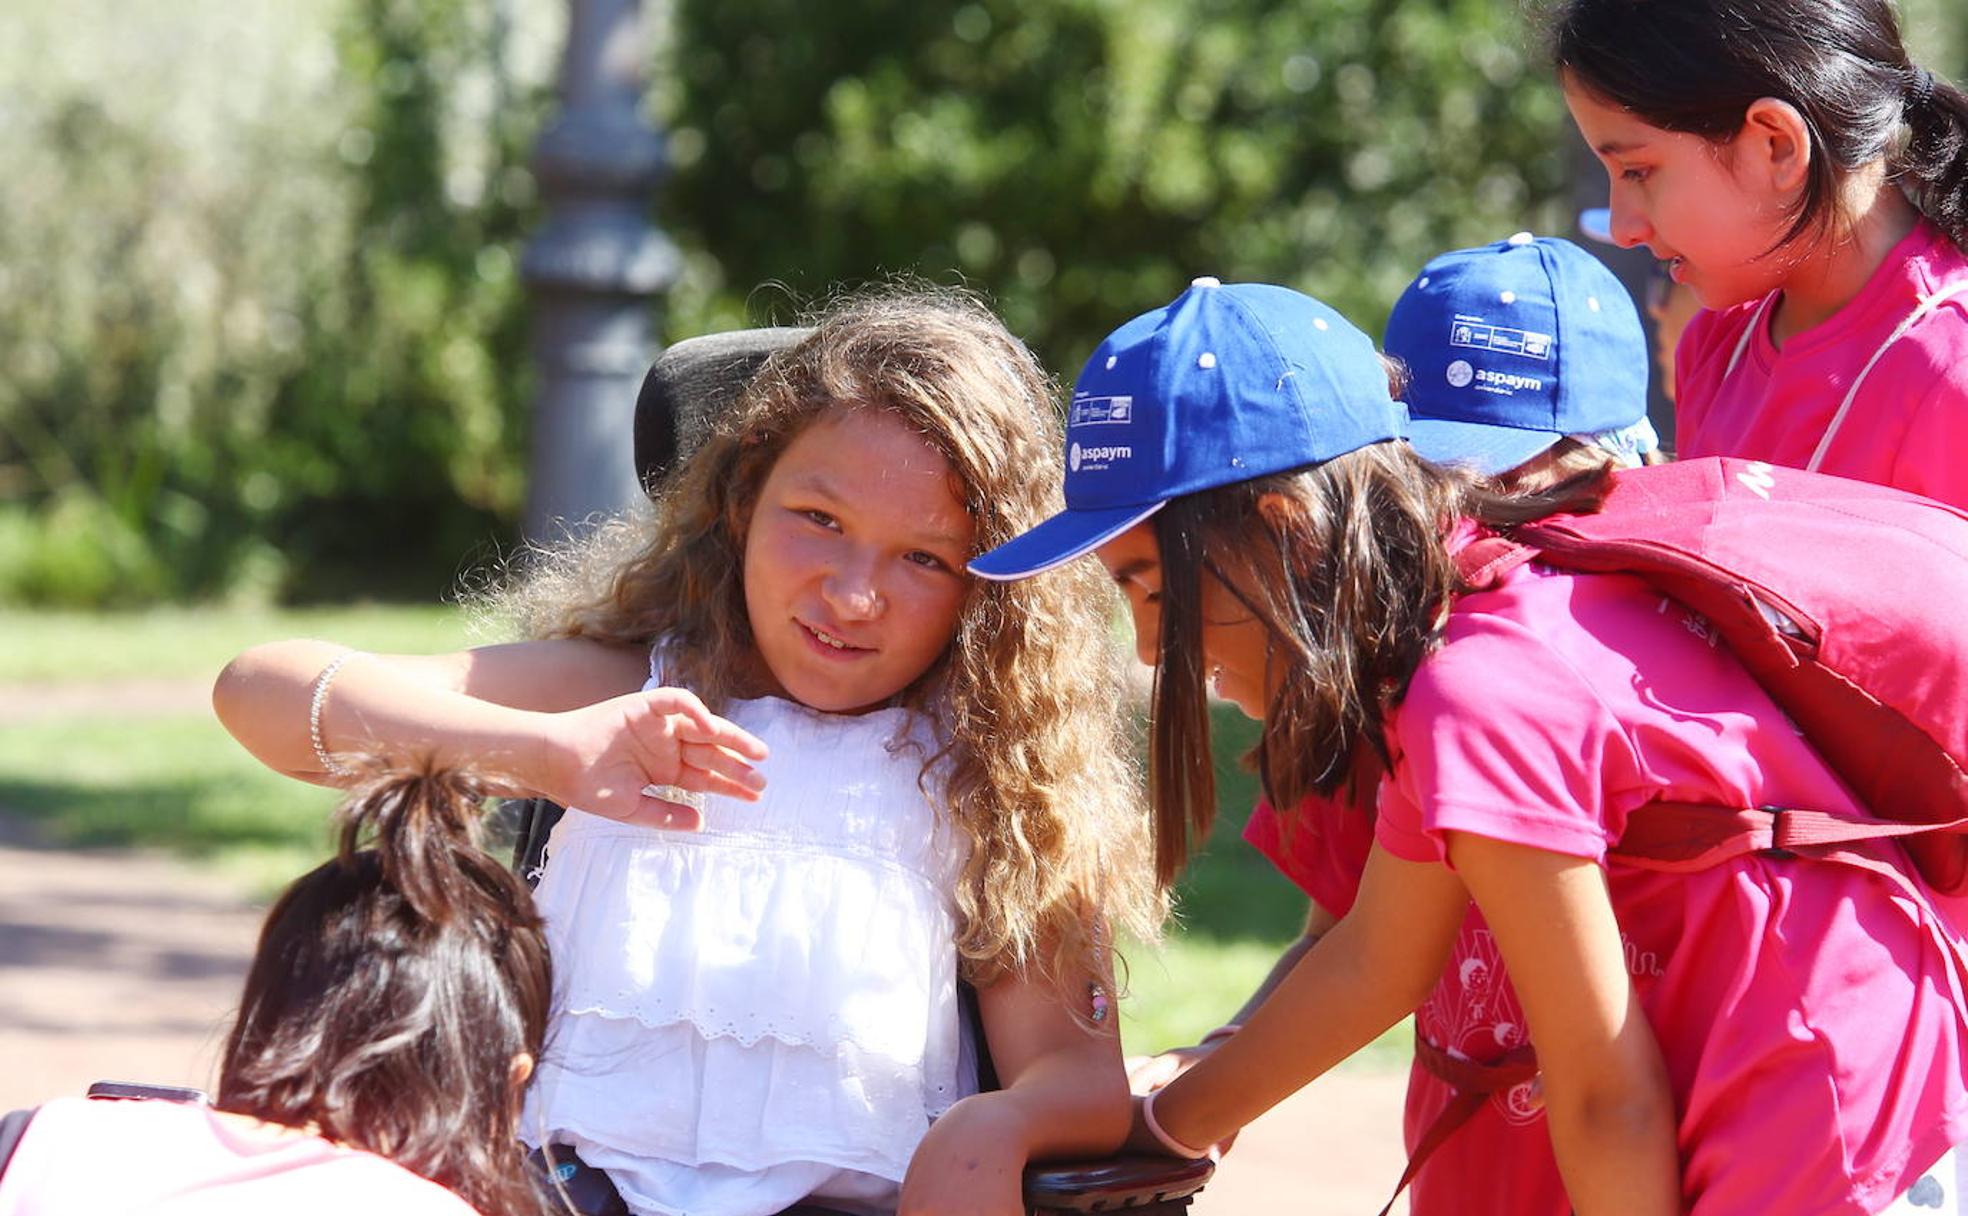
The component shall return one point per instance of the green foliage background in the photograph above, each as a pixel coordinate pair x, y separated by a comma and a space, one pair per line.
259, 319
261, 331
1081, 160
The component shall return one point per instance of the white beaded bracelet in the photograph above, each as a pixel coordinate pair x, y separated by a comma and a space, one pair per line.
329, 764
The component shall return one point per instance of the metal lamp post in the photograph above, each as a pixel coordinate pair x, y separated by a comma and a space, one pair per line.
592, 273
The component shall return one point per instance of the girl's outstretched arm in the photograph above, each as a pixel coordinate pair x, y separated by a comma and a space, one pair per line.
1370, 971
1606, 1092
564, 719
1146, 1074
1065, 1095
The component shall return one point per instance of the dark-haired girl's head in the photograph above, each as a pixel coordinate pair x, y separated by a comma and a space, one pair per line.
1307, 598
1835, 72
399, 996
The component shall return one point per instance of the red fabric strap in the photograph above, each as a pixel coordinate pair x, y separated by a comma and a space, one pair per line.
1678, 837
1488, 558
1473, 1082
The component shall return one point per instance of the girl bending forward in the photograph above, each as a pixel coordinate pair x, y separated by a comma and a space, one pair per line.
1773, 1034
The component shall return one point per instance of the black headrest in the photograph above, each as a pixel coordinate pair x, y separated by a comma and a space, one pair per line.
692, 383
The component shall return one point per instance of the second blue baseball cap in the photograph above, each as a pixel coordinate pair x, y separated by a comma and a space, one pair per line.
1229, 382
1514, 345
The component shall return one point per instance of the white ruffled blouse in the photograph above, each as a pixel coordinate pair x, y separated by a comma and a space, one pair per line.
766, 1010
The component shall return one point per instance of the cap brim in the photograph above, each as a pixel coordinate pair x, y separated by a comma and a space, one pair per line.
1058, 540
1487, 449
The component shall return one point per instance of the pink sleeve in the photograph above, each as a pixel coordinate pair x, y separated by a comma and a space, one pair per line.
1499, 736
1933, 456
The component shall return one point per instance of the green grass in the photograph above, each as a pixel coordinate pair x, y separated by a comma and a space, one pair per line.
1196, 982
48, 647
178, 783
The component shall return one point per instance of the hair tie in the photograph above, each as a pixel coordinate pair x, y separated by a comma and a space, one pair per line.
1920, 89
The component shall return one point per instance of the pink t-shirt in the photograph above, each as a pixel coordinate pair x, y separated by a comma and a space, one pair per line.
86, 1157
1810, 1011
1500, 1162
1321, 846
1908, 425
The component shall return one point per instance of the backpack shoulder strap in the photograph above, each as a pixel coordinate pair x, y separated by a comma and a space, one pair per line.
1489, 557
13, 1125
1680, 837
1748, 335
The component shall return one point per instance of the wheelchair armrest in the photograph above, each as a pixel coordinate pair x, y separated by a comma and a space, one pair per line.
1142, 1184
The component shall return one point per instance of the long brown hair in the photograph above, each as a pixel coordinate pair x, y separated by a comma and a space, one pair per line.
1028, 698
1348, 566
392, 990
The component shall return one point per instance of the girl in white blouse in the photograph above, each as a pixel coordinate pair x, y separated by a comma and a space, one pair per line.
821, 774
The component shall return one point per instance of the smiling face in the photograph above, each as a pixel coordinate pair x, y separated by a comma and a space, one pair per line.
1710, 209
1236, 646
854, 559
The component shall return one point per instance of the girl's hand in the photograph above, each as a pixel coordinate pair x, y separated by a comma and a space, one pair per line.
1146, 1074
600, 757
972, 1162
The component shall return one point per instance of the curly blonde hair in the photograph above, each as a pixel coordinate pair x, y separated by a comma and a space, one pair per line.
1035, 740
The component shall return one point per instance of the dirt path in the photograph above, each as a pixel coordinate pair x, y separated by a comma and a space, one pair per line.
113, 965
126, 966
1332, 1149
124, 698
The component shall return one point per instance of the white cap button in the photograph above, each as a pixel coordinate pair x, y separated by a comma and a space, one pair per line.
1520, 238
1206, 360
1208, 280
1508, 297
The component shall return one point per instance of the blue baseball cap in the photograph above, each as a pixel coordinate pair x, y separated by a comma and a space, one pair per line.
1515, 345
1229, 382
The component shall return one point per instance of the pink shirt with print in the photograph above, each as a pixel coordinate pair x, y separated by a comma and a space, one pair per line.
1500, 1162
1810, 1012
85, 1157
1908, 425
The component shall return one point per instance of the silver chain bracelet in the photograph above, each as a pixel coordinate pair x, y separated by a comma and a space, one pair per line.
329, 764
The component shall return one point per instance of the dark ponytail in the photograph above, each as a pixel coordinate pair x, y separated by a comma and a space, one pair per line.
393, 988
1696, 65
1933, 166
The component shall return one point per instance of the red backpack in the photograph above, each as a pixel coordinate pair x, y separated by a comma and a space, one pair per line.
1847, 601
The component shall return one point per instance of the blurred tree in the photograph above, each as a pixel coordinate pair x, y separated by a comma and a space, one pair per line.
258, 307
1081, 160
403, 432
260, 321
